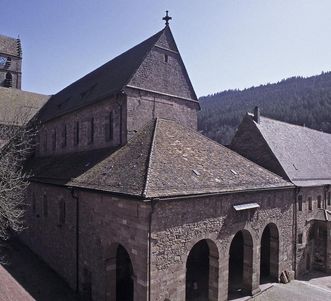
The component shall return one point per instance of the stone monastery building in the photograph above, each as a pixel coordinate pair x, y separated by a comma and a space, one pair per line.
128, 201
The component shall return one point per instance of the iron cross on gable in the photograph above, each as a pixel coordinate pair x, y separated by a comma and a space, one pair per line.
166, 18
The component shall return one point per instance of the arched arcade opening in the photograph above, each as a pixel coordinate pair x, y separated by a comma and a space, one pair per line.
202, 272
269, 254
240, 265
124, 275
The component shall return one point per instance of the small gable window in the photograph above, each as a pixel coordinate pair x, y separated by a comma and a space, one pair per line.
90, 131
319, 202
45, 142
310, 204
64, 136
300, 238
109, 128
76, 133
300, 202
166, 58
54, 140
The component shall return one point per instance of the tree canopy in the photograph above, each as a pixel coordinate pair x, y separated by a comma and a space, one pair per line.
297, 100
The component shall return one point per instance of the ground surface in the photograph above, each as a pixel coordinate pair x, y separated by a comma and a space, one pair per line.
314, 289
27, 278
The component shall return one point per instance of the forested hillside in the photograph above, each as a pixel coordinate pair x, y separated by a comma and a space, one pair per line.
298, 100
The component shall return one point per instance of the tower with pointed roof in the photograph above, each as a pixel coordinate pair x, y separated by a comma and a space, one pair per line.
10, 62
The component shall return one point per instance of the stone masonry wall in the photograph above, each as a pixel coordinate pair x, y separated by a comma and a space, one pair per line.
46, 235
105, 222
305, 220
100, 113
179, 224
163, 71
143, 106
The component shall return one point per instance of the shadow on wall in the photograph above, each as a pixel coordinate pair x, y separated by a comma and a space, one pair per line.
30, 274
313, 251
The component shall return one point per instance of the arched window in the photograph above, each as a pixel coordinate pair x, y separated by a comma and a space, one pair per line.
62, 211
8, 80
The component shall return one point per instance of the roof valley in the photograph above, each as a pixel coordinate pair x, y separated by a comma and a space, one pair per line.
149, 161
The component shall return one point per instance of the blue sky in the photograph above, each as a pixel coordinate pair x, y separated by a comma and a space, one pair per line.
225, 44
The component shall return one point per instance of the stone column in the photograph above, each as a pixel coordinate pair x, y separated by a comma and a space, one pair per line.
213, 278
111, 279
328, 247
254, 267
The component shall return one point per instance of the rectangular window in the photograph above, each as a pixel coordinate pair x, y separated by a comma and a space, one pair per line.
91, 131
64, 136
109, 128
300, 202
76, 133
62, 212
319, 202
329, 198
300, 238
45, 206
310, 204
54, 139
45, 142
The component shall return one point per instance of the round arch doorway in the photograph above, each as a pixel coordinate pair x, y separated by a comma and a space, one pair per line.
124, 276
269, 254
202, 272
240, 265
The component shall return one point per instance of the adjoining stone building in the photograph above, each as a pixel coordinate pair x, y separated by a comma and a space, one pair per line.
129, 202
302, 156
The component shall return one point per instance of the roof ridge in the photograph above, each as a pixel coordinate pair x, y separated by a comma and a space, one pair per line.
151, 149
226, 148
294, 125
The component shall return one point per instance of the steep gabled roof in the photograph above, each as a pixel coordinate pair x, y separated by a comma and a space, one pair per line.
109, 79
296, 153
304, 153
166, 159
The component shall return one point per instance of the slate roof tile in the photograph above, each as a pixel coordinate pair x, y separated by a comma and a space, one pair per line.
164, 159
304, 153
105, 81
17, 107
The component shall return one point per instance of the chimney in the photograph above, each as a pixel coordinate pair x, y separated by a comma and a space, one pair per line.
257, 114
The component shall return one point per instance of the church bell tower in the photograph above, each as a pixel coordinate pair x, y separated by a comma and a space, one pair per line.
10, 62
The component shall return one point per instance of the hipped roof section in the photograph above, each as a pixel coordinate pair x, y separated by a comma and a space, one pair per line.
164, 159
